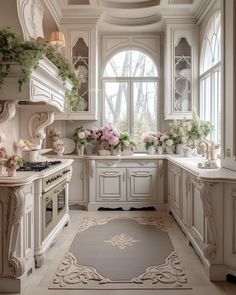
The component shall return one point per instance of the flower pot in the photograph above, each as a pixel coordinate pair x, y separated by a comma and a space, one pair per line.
159, 150
80, 150
116, 152
169, 149
30, 155
104, 152
151, 150
127, 153
2, 170
180, 148
11, 172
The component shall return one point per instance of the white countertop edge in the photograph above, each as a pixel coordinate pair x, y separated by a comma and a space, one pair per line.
26, 177
187, 163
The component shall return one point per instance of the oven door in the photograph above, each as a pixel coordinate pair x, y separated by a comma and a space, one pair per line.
54, 207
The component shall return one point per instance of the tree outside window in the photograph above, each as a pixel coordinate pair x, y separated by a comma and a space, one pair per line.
130, 92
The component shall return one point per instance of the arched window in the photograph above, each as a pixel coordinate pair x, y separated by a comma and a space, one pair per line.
210, 76
130, 91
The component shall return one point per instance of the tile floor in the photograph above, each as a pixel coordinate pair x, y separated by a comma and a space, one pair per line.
39, 281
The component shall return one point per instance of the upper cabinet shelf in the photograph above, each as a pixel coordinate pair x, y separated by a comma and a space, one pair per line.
181, 70
81, 49
45, 86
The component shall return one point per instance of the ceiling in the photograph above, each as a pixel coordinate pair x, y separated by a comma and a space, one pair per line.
129, 15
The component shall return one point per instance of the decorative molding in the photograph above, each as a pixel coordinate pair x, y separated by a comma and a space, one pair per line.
7, 110
122, 241
70, 272
13, 216
233, 194
36, 126
92, 166
30, 13
203, 10
210, 248
171, 272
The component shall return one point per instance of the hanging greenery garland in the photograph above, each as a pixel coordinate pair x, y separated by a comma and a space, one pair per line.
13, 49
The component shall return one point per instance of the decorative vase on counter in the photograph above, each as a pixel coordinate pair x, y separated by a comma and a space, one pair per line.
180, 148
11, 172
104, 152
160, 150
169, 149
116, 152
151, 150
80, 150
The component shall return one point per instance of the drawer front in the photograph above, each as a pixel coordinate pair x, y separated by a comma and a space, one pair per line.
126, 163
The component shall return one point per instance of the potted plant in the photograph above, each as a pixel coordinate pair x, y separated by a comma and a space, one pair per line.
150, 143
82, 138
126, 144
14, 50
12, 163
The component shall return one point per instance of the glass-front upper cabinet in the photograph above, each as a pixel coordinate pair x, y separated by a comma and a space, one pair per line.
181, 71
81, 50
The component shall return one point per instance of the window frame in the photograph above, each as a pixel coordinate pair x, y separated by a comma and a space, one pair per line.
210, 73
130, 99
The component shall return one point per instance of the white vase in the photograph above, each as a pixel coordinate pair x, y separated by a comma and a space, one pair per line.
104, 152
160, 150
80, 150
116, 152
169, 149
151, 150
180, 148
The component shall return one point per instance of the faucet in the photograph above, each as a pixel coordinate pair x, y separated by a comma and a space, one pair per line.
203, 152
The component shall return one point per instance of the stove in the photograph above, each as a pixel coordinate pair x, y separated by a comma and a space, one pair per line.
37, 166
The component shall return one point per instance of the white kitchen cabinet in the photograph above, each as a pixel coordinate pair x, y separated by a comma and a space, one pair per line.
77, 187
125, 183
175, 189
181, 70
141, 184
81, 49
111, 184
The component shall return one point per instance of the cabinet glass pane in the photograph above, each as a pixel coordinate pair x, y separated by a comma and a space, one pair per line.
61, 201
116, 94
80, 54
183, 77
145, 110
49, 212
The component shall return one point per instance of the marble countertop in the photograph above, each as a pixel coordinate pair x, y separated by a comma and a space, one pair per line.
188, 163
26, 177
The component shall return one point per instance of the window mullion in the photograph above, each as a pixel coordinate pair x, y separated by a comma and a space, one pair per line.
131, 109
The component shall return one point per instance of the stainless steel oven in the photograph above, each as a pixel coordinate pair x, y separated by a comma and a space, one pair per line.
54, 201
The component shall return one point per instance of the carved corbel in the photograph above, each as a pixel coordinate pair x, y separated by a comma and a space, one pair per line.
7, 110
37, 124
210, 248
13, 216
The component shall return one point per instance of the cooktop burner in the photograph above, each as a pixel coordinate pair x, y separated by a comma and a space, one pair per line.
37, 166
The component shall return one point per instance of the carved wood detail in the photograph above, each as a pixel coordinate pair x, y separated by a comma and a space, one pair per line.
210, 247
13, 215
7, 110
30, 13
37, 124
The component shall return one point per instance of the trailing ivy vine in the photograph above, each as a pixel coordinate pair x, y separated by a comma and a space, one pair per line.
13, 49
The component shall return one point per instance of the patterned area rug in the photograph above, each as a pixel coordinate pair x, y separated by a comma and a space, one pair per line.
121, 253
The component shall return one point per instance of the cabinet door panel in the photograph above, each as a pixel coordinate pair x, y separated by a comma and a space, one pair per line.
111, 184
141, 184
76, 187
197, 213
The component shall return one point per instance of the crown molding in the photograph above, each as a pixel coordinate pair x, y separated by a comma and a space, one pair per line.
203, 10
55, 10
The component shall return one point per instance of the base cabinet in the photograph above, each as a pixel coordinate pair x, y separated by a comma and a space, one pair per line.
126, 184
197, 207
16, 237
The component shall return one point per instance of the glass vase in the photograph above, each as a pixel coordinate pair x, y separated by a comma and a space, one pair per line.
80, 150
